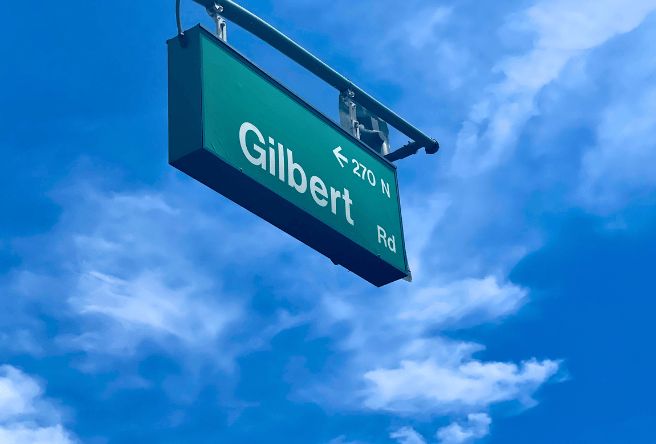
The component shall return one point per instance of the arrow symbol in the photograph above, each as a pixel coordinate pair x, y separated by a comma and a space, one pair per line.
340, 158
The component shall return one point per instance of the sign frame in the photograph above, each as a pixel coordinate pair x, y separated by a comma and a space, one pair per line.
188, 153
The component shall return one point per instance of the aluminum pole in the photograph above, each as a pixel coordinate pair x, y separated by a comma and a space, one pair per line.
259, 28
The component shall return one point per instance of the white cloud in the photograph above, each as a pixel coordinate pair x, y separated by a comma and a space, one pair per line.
387, 329
483, 299
147, 266
456, 383
20, 434
399, 362
407, 435
146, 301
564, 25
136, 279
26, 416
477, 426
17, 393
563, 30
139, 280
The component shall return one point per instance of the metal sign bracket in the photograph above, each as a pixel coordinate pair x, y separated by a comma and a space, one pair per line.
353, 117
221, 27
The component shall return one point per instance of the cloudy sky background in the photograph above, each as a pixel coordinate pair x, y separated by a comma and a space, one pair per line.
136, 305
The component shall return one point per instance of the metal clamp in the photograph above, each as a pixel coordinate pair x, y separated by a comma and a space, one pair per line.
221, 27
353, 116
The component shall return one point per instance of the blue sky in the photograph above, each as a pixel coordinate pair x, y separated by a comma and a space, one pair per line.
136, 305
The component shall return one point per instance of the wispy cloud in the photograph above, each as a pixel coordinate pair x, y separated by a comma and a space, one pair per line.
134, 272
618, 169
562, 31
470, 302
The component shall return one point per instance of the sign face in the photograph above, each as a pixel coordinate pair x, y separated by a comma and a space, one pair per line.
237, 130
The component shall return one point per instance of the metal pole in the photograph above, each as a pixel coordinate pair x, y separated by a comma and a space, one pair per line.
258, 27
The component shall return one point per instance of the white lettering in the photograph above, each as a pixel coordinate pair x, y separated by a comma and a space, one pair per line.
261, 160
382, 236
272, 161
391, 244
371, 177
347, 206
258, 154
300, 187
281, 162
385, 187
334, 195
317, 186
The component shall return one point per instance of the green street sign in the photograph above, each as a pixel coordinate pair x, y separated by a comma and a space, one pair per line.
240, 132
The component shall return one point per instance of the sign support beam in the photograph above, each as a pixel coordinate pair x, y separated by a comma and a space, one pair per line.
259, 28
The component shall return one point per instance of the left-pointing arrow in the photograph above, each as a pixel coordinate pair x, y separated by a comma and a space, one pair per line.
340, 157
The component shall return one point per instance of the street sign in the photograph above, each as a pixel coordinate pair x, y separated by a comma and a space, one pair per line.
240, 132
